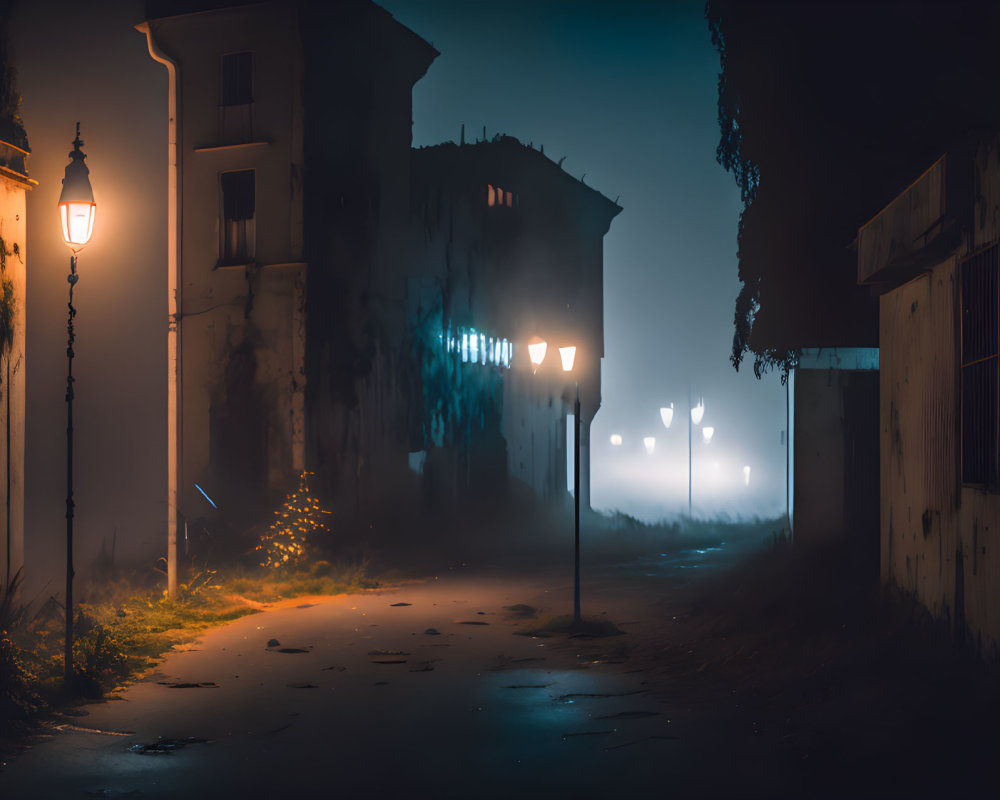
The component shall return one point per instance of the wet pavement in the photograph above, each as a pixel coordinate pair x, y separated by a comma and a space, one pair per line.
429, 690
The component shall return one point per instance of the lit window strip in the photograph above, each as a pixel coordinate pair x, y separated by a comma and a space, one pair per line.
476, 347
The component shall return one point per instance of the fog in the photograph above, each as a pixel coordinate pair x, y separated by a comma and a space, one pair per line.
625, 92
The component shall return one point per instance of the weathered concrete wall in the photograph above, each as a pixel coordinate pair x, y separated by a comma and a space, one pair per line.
12, 381
835, 415
241, 327
936, 539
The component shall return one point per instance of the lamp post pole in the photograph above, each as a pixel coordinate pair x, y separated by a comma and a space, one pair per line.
72, 278
77, 210
690, 425
576, 503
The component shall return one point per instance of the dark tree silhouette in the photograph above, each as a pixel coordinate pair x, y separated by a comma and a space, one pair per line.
826, 112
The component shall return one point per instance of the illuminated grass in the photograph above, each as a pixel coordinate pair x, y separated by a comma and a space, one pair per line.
121, 635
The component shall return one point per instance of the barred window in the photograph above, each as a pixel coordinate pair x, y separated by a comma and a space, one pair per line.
980, 356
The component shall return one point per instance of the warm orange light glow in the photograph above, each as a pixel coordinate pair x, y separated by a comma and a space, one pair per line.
568, 356
77, 222
536, 352
490, 195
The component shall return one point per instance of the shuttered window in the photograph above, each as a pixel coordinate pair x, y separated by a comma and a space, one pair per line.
238, 216
980, 304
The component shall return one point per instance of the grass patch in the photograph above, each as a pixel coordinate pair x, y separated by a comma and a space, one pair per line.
121, 633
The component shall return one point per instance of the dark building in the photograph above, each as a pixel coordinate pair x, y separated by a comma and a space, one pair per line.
510, 251
321, 273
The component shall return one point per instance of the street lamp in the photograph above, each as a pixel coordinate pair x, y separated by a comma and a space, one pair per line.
77, 210
707, 433
697, 413
568, 356
536, 352
650, 444
667, 415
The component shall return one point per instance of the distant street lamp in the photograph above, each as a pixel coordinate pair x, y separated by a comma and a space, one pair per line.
667, 415
568, 356
746, 475
707, 433
77, 210
697, 413
650, 444
616, 440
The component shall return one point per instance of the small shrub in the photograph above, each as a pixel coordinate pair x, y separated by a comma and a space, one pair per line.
285, 542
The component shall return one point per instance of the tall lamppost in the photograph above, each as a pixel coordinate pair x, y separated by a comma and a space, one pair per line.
536, 353
697, 413
76, 213
568, 356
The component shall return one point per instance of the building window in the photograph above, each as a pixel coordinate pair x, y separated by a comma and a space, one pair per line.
980, 357
236, 99
496, 196
238, 217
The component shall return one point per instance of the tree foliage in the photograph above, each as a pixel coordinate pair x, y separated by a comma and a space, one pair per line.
826, 112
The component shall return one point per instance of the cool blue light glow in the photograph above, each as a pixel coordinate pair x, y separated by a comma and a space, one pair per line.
196, 486
478, 348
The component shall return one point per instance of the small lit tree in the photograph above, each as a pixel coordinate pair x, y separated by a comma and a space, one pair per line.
284, 543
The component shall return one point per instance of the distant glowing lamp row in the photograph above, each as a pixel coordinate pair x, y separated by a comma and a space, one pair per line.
697, 414
537, 350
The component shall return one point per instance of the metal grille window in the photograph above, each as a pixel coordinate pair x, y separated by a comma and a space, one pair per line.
980, 357
238, 216
236, 98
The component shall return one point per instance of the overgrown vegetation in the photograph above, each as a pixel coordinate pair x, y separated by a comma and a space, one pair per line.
121, 633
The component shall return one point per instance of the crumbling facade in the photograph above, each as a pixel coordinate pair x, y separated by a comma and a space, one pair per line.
14, 186
318, 266
933, 255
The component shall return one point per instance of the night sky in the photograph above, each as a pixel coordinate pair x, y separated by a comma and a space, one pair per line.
625, 91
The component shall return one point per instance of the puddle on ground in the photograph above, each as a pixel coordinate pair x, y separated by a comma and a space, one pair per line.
163, 746
397, 605
201, 685
632, 715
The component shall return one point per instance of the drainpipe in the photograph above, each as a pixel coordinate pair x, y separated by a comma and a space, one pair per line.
173, 307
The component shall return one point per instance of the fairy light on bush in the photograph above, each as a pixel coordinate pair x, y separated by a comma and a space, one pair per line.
286, 539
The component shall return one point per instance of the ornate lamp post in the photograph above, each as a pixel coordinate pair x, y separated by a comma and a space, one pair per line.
568, 356
77, 210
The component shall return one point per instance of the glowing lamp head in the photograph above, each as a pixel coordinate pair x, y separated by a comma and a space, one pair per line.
77, 208
746, 475
568, 356
650, 444
616, 440
667, 415
698, 412
707, 433
536, 352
